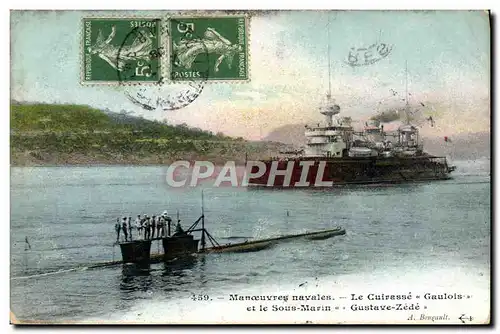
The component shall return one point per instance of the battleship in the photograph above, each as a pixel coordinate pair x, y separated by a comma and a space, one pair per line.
336, 154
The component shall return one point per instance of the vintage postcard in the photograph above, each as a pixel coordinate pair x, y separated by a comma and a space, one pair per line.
250, 167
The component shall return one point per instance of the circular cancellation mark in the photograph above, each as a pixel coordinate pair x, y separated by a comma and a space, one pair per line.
162, 95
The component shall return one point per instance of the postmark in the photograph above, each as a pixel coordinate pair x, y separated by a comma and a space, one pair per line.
224, 39
121, 50
368, 55
167, 95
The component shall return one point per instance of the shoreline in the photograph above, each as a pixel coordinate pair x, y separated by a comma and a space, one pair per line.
106, 165
37, 158
218, 162
26, 159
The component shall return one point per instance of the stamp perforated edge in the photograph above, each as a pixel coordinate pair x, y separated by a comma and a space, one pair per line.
117, 83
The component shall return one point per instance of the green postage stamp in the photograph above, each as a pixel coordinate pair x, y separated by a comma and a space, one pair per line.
211, 48
132, 50
120, 50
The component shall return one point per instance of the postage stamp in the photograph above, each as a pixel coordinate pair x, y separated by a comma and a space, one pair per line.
220, 41
121, 50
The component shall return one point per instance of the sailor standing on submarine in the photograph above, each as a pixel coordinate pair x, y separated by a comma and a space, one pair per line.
124, 228
153, 226
159, 226
129, 222
117, 229
166, 220
147, 228
138, 225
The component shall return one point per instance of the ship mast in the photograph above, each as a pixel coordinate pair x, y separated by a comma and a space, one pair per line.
407, 105
330, 109
329, 95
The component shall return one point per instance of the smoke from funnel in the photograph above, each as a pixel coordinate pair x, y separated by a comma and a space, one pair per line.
388, 116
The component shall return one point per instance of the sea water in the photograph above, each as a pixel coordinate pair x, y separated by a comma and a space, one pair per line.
429, 236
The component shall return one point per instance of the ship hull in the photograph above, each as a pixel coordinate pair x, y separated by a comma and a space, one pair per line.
343, 171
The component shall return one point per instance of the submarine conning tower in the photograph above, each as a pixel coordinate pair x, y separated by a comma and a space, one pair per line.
181, 243
137, 251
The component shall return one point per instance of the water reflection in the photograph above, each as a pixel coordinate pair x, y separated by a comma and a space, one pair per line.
136, 269
202, 268
346, 189
135, 278
170, 275
179, 267
178, 274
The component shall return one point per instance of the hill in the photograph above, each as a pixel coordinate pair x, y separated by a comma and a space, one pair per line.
292, 134
50, 134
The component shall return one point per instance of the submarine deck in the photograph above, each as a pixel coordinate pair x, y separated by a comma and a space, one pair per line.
236, 247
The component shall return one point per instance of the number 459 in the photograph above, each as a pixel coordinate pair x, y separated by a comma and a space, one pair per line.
142, 70
199, 297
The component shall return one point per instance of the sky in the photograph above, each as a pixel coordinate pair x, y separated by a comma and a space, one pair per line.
447, 52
